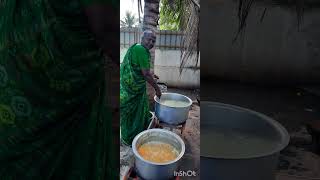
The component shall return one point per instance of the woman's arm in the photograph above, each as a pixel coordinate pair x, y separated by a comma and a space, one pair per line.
149, 77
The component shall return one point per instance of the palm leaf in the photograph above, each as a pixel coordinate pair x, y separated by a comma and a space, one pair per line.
129, 20
184, 16
299, 6
191, 40
171, 14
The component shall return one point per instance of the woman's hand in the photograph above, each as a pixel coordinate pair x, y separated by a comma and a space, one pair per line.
155, 76
158, 92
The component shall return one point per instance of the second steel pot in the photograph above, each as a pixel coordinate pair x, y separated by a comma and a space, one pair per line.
172, 115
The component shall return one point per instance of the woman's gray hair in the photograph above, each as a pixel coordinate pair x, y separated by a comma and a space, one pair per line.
148, 33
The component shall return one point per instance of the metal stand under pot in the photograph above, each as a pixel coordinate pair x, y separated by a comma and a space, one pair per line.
163, 125
155, 123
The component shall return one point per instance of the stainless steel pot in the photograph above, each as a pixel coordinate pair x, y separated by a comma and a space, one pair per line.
172, 115
157, 171
255, 166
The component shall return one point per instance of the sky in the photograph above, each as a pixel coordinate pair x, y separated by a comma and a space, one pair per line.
129, 5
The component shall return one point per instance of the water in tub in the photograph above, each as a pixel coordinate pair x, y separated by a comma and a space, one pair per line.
231, 143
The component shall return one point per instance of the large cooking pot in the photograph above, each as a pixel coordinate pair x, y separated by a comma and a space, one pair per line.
258, 163
172, 115
157, 171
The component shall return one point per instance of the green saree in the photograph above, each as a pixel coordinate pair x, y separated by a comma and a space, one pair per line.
54, 119
134, 106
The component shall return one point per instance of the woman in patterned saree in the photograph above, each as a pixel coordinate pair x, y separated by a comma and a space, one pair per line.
134, 73
55, 122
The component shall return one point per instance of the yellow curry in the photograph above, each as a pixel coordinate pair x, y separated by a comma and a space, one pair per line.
158, 152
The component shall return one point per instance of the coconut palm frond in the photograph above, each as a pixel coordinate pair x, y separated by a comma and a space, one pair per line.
191, 42
196, 3
243, 12
171, 13
263, 14
298, 6
129, 20
183, 15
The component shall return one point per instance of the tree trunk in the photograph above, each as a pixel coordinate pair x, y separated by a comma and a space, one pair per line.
150, 22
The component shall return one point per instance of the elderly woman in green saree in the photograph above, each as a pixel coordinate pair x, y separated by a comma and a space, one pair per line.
55, 121
134, 73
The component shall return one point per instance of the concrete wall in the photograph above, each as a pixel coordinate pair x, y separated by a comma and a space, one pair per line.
272, 50
167, 64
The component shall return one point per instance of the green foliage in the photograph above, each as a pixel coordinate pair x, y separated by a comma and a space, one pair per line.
129, 21
172, 13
